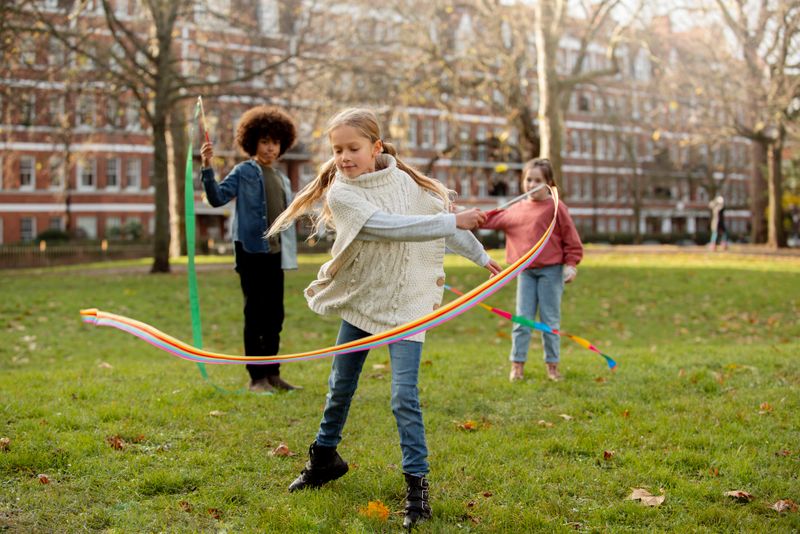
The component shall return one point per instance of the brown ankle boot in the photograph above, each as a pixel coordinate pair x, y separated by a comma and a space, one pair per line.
279, 383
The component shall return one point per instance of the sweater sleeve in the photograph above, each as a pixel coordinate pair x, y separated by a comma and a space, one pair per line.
570, 240
464, 243
350, 211
496, 220
383, 226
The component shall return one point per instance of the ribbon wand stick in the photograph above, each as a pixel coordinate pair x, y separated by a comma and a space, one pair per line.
520, 197
203, 117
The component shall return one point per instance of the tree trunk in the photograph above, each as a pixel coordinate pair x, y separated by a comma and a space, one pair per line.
161, 235
550, 115
177, 141
758, 194
775, 234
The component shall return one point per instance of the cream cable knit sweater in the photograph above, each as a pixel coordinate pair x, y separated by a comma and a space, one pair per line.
378, 285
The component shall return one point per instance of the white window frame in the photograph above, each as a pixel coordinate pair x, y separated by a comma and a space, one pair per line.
91, 164
86, 101
32, 185
57, 173
81, 224
137, 162
442, 133
411, 136
23, 220
118, 164
427, 133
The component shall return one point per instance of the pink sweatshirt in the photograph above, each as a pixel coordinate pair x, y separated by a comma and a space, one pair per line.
525, 222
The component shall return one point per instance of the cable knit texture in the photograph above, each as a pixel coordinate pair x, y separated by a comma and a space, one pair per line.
378, 285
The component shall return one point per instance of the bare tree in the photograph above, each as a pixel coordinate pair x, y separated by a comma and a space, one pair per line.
165, 54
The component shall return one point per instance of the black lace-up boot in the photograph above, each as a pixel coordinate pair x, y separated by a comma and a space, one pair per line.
324, 464
417, 506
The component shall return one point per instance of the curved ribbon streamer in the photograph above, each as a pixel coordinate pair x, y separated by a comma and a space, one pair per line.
443, 314
542, 327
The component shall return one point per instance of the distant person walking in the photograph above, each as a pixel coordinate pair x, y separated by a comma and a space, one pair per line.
718, 231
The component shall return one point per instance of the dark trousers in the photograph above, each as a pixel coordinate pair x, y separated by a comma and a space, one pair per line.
261, 278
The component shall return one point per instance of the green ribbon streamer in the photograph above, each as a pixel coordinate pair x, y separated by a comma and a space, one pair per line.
194, 298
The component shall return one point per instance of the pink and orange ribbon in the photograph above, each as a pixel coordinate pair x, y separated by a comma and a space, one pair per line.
443, 314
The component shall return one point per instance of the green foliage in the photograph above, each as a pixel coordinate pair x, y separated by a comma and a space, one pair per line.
705, 400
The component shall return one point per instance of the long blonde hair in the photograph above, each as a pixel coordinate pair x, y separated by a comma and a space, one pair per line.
365, 121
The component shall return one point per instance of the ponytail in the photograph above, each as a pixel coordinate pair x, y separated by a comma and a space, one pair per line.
434, 186
304, 202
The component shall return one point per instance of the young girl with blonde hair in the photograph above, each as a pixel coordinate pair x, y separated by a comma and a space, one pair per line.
392, 225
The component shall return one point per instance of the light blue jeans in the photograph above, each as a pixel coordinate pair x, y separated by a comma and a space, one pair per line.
405, 359
538, 289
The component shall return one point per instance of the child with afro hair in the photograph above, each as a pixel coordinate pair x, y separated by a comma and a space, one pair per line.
262, 192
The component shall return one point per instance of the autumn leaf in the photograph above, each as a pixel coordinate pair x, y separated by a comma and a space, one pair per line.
116, 442
487, 494
185, 506
43, 479
764, 408
281, 450
379, 366
468, 425
216, 413
601, 379
215, 513
625, 413
784, 505
607, 455
105, 365
783, 452
713, 471
375, 510
645, 497
739, 495
4, 444
545, 424
565, 417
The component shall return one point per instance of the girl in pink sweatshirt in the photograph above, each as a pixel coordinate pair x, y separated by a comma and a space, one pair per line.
540, 286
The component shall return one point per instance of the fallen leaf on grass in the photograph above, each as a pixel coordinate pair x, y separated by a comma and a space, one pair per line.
185, 506
626, 413
607, 455
739, 495
43, 479
764, 408
116, 442
783, 452
487, 494
545, 424
565, 417
645, 497
216, 413
378, 366
216, 514
681, 373
713, 471
4, 444
468, 425
784, 505
281, 450
601, 379
375, 510
105, 365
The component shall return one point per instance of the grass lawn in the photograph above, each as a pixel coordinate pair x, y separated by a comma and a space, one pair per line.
130, 439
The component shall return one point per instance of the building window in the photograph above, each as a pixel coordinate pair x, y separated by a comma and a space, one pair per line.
28, 110
85, 112
112, 173
87, 227
465, 188
132, 119
412, 131
27, 229
57, 174
27, 173
2, 167
113, 227
113, 114
133, 173
481, 142
427, 133
442, 134
56, 109
55, 223
87, 174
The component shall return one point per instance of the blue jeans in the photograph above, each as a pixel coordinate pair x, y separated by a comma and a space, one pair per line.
345, 370
538, 289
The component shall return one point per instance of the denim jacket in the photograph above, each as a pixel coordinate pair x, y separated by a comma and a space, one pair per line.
245, 183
